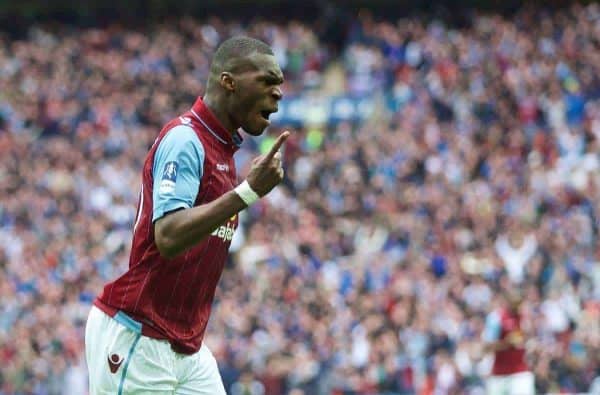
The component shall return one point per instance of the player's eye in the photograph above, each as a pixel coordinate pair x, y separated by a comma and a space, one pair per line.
270, 80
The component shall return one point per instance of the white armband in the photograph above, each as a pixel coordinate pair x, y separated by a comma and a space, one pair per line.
246, 193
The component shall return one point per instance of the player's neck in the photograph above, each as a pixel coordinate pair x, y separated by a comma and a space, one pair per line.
217, 107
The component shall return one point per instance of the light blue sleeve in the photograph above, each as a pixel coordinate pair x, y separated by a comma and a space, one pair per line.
492, 330
177, 171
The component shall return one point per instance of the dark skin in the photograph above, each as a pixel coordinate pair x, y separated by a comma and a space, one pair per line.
237, 99
240, 98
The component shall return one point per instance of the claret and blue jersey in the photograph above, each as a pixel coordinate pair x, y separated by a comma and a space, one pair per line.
191, 163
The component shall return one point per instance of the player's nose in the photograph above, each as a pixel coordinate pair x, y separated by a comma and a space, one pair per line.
277, 93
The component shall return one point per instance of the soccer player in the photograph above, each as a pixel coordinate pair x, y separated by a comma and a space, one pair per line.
503, 335
144, 333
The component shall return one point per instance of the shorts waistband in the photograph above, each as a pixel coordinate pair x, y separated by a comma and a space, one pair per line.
128, 322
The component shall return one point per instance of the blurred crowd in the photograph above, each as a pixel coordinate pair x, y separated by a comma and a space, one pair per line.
372, 269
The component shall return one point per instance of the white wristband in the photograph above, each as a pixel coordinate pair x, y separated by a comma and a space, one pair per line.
246, 193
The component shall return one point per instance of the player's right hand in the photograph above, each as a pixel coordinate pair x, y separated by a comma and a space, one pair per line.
266, 171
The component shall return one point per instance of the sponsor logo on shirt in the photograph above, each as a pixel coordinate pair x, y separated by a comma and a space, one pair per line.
225, 232
169, 177
222, 167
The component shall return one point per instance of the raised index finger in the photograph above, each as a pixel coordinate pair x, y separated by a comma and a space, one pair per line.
278, 143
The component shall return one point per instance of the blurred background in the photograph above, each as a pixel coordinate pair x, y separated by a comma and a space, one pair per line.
441, 155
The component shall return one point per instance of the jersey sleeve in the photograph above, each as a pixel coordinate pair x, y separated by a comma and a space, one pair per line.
177, 171
492, 329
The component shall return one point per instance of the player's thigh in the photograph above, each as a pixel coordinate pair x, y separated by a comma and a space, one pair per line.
198, 374
496, 385
100, 333
121, 361
152, 369
522, 384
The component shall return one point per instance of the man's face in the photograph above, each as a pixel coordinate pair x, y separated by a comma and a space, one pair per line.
257, 94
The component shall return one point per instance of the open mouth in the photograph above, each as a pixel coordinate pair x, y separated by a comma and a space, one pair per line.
267, 113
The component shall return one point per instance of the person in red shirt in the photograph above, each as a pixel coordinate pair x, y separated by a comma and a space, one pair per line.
144, 333
503, 335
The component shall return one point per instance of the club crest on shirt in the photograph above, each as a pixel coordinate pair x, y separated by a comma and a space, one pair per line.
169, 177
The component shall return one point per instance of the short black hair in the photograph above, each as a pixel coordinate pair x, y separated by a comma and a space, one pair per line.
232, 52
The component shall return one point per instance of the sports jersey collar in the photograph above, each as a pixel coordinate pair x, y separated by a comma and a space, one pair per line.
203, 114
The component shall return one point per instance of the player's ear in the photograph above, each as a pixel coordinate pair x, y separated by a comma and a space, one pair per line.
227, 81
